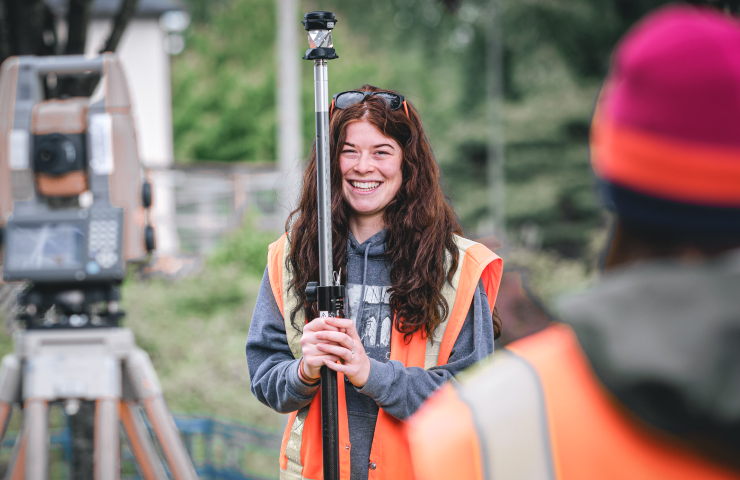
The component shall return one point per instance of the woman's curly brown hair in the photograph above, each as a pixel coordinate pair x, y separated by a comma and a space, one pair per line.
419, 221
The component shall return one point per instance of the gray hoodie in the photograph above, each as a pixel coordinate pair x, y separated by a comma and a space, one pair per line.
398, 390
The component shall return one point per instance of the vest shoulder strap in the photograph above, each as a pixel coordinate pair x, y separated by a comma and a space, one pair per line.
274, 269
446, 444
449, 293
515, 427
475, 262
280, 275
491, 427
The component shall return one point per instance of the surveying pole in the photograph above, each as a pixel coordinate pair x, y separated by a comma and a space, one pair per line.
329, 293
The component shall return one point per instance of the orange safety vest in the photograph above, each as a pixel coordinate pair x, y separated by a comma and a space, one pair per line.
540, 412
301, 451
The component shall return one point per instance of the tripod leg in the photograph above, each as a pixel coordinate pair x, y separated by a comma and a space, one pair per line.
141, 443
106, 457
37, 446
146, 386
5, 410
10, 389
16, 470
169, 437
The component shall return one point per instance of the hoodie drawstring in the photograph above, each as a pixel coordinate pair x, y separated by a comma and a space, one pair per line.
362, 295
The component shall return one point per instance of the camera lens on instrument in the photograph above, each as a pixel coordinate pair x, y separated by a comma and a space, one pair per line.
45, 155
58, 153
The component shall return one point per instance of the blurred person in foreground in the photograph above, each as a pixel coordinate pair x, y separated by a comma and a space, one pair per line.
642, 380
419, 295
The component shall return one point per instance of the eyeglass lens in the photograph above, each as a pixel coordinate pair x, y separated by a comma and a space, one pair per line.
347, 99
393, 100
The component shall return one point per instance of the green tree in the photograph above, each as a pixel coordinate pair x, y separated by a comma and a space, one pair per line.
224, 85
555, 54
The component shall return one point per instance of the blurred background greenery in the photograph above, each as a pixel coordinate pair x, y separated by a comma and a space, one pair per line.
195, 330
555, 55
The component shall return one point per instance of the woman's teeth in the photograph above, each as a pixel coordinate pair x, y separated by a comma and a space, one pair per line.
365, 186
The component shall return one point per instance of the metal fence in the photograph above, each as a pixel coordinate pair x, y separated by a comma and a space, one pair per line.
220, 450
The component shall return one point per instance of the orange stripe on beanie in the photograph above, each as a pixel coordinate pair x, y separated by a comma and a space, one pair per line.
666, 167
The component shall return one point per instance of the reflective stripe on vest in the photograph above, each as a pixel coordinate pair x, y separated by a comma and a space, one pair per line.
458, 414
541, 413
445, 443
390, 456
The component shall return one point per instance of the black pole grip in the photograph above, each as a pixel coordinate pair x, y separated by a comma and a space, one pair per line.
330, 299
330, 422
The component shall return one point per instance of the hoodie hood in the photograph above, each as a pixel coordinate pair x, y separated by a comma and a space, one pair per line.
664, 338
373, 246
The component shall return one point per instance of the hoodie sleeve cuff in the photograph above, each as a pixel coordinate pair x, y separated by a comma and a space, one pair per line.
296, 385
380, 378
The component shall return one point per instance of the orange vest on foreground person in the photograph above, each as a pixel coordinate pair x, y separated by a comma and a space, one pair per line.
301, 451
541, 413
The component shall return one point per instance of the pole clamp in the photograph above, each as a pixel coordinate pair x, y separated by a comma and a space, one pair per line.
320, 54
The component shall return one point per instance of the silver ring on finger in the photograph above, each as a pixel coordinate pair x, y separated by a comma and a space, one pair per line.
353, 356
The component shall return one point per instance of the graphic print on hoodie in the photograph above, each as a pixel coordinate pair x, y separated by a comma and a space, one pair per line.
374, 311
368, 296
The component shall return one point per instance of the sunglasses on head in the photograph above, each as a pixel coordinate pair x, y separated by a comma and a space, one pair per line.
346, 99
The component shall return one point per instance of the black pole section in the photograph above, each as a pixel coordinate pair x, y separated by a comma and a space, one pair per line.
328, 293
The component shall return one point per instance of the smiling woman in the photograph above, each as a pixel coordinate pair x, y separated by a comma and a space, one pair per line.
370, 164
419, 296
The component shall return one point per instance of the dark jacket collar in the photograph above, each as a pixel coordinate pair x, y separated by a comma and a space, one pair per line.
664, 338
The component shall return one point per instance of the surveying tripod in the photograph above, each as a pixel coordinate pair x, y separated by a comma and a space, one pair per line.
99, 364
